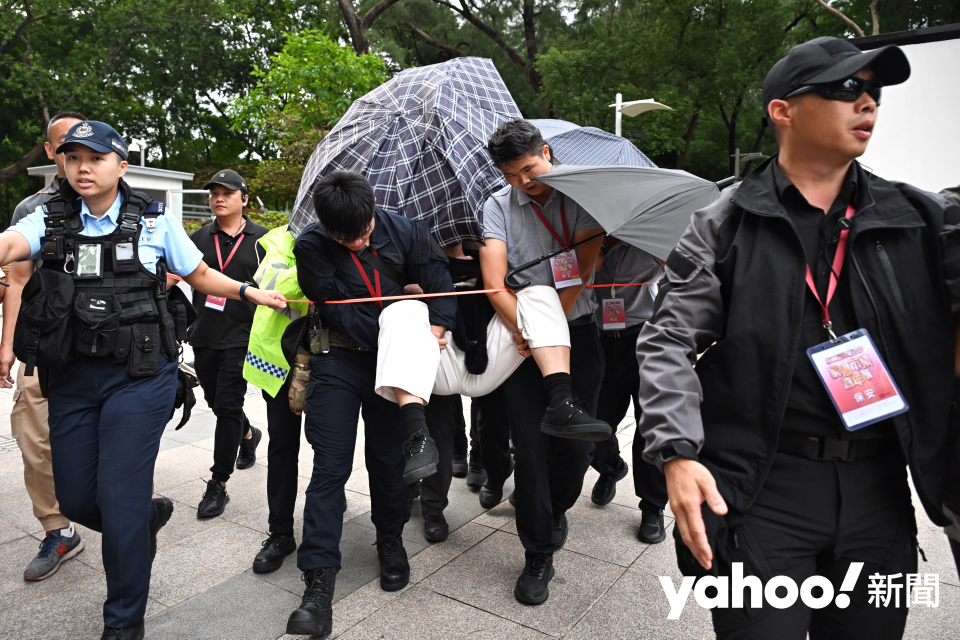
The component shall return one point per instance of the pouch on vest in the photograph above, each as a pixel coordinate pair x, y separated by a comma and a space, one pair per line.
44, 333
144, 360
125, 254
98, 317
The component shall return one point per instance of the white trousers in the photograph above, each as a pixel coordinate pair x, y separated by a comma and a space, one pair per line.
409, 358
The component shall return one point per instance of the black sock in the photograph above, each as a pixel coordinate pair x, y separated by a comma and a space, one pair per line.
559, 387
414, 417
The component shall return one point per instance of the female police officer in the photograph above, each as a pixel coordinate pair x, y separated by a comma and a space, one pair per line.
105, 251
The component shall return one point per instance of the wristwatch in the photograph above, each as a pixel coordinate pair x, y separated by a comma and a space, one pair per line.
243, 289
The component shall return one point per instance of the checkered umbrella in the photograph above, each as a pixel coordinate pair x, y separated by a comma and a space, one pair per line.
589, 146
420, 139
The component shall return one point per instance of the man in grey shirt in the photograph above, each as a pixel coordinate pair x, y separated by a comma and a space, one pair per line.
522, 222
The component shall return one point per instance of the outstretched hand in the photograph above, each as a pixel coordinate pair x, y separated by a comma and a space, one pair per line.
270, 298
689, 484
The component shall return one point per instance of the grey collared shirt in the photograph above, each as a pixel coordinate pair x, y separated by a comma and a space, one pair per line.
622, 264
508, 216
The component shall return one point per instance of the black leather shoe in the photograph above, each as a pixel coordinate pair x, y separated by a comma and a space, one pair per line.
570, 420
651, 529
532, 584
476, 474
162, 510
420, 452
275, 548
435, 528
214, 501
490, 495
247, 456
459, 466
129, 633
315, 615
606, 488
394, 567
560, 529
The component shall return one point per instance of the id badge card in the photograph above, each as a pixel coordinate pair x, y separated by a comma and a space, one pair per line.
566, 270
215, 303
614, 314
857, 380
88, 260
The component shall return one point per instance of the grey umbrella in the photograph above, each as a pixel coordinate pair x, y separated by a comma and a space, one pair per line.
648, 208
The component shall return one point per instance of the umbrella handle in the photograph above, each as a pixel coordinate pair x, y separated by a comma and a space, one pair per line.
516, 285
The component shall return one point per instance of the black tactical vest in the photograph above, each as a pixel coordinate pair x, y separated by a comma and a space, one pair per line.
92, 296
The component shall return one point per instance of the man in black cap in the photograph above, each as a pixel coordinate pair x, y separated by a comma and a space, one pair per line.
818, 299
219, 336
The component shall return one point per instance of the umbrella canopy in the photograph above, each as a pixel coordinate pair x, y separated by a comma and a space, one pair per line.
648, 208
589, 146
420, 139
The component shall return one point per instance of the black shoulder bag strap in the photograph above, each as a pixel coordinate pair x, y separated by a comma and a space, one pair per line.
373, 261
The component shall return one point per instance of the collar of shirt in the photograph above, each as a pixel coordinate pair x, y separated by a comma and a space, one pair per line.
524, 198
215, 227
792, 198
105, 223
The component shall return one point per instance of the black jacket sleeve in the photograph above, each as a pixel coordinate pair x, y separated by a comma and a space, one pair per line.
434, 277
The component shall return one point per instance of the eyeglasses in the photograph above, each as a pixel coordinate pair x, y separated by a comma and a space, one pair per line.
848, 90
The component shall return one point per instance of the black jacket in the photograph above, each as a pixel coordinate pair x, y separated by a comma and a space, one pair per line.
735, 293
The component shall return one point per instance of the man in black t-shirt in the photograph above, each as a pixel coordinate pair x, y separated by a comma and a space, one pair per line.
219, 336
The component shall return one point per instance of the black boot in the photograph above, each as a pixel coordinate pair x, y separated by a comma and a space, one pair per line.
569, 419
651, 529
162, 510
421, 455
129, 633
435, 527
394, 567
315, 615
459, 465
214, 500
275, 548
476, 474
606, 488
532, 584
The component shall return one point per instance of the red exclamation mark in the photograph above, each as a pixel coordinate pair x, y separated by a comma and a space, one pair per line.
849, 582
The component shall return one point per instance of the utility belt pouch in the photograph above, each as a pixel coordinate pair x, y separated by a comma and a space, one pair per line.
182, 311
98, 317
44, 333
299, 383
121, 348
168, 337
144, 360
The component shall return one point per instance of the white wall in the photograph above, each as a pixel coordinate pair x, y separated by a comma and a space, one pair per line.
917, 138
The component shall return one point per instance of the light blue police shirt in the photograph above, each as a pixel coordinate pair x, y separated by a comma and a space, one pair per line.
168, 240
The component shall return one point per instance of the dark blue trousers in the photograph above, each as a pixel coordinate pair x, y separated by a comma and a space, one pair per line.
341, 387
105, 432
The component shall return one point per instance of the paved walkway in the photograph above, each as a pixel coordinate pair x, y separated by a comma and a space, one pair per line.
606, 584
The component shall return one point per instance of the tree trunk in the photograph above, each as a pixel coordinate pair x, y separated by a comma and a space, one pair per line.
357, 36
25, 161
688, 137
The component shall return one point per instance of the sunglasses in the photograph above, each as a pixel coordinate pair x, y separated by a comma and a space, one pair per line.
848, 90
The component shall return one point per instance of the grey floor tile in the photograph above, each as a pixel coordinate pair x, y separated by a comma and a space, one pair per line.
486, 574
9, 532
16, 509
202, 425
213, 614
182, 464
168, 443
247, 490
606, 533
357, 505
437, 555
497, 518
184, 524
939, 557
420, 613
15, 591
941, 623
11, 472
660, 559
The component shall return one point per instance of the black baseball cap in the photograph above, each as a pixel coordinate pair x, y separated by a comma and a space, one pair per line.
98, 136
824, 60
229, 179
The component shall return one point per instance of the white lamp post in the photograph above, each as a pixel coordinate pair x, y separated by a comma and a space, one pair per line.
633, 109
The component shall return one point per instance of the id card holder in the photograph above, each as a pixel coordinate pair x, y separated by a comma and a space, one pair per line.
857, 380
566, 270
89, 260
614, 314
216, 303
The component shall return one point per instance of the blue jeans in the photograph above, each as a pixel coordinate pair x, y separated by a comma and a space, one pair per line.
341, 386
105, 432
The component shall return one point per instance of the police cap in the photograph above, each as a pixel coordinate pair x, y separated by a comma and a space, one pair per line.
98, 136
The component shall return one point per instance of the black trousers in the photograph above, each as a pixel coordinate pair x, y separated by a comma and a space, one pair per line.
815, 518
549, 473
283, 455
341, 387
621, 384
444, 420
493, 434
221, 376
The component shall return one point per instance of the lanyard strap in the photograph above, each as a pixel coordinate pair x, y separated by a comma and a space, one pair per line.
223, 265
374, 293
563, 219
834, 272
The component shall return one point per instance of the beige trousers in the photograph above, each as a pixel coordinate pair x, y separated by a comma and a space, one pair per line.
28, 422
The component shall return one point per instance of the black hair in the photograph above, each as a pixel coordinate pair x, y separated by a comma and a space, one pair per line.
63, 115
513, 140
344, 203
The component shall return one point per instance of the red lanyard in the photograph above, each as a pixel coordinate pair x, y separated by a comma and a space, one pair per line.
835, 271
563, 219
223, 265
374, 293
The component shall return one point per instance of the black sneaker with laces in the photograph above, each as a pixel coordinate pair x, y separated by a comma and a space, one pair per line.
532, 585
214, 500
420, 452
570, 420
491, 493
394, 567
314, 617
247, 456
435, 527
560, 529
275, 548
651, 529
162, 510
128, 633
605, 490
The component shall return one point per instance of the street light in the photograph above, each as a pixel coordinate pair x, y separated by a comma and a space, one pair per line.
634, 108
748, 157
